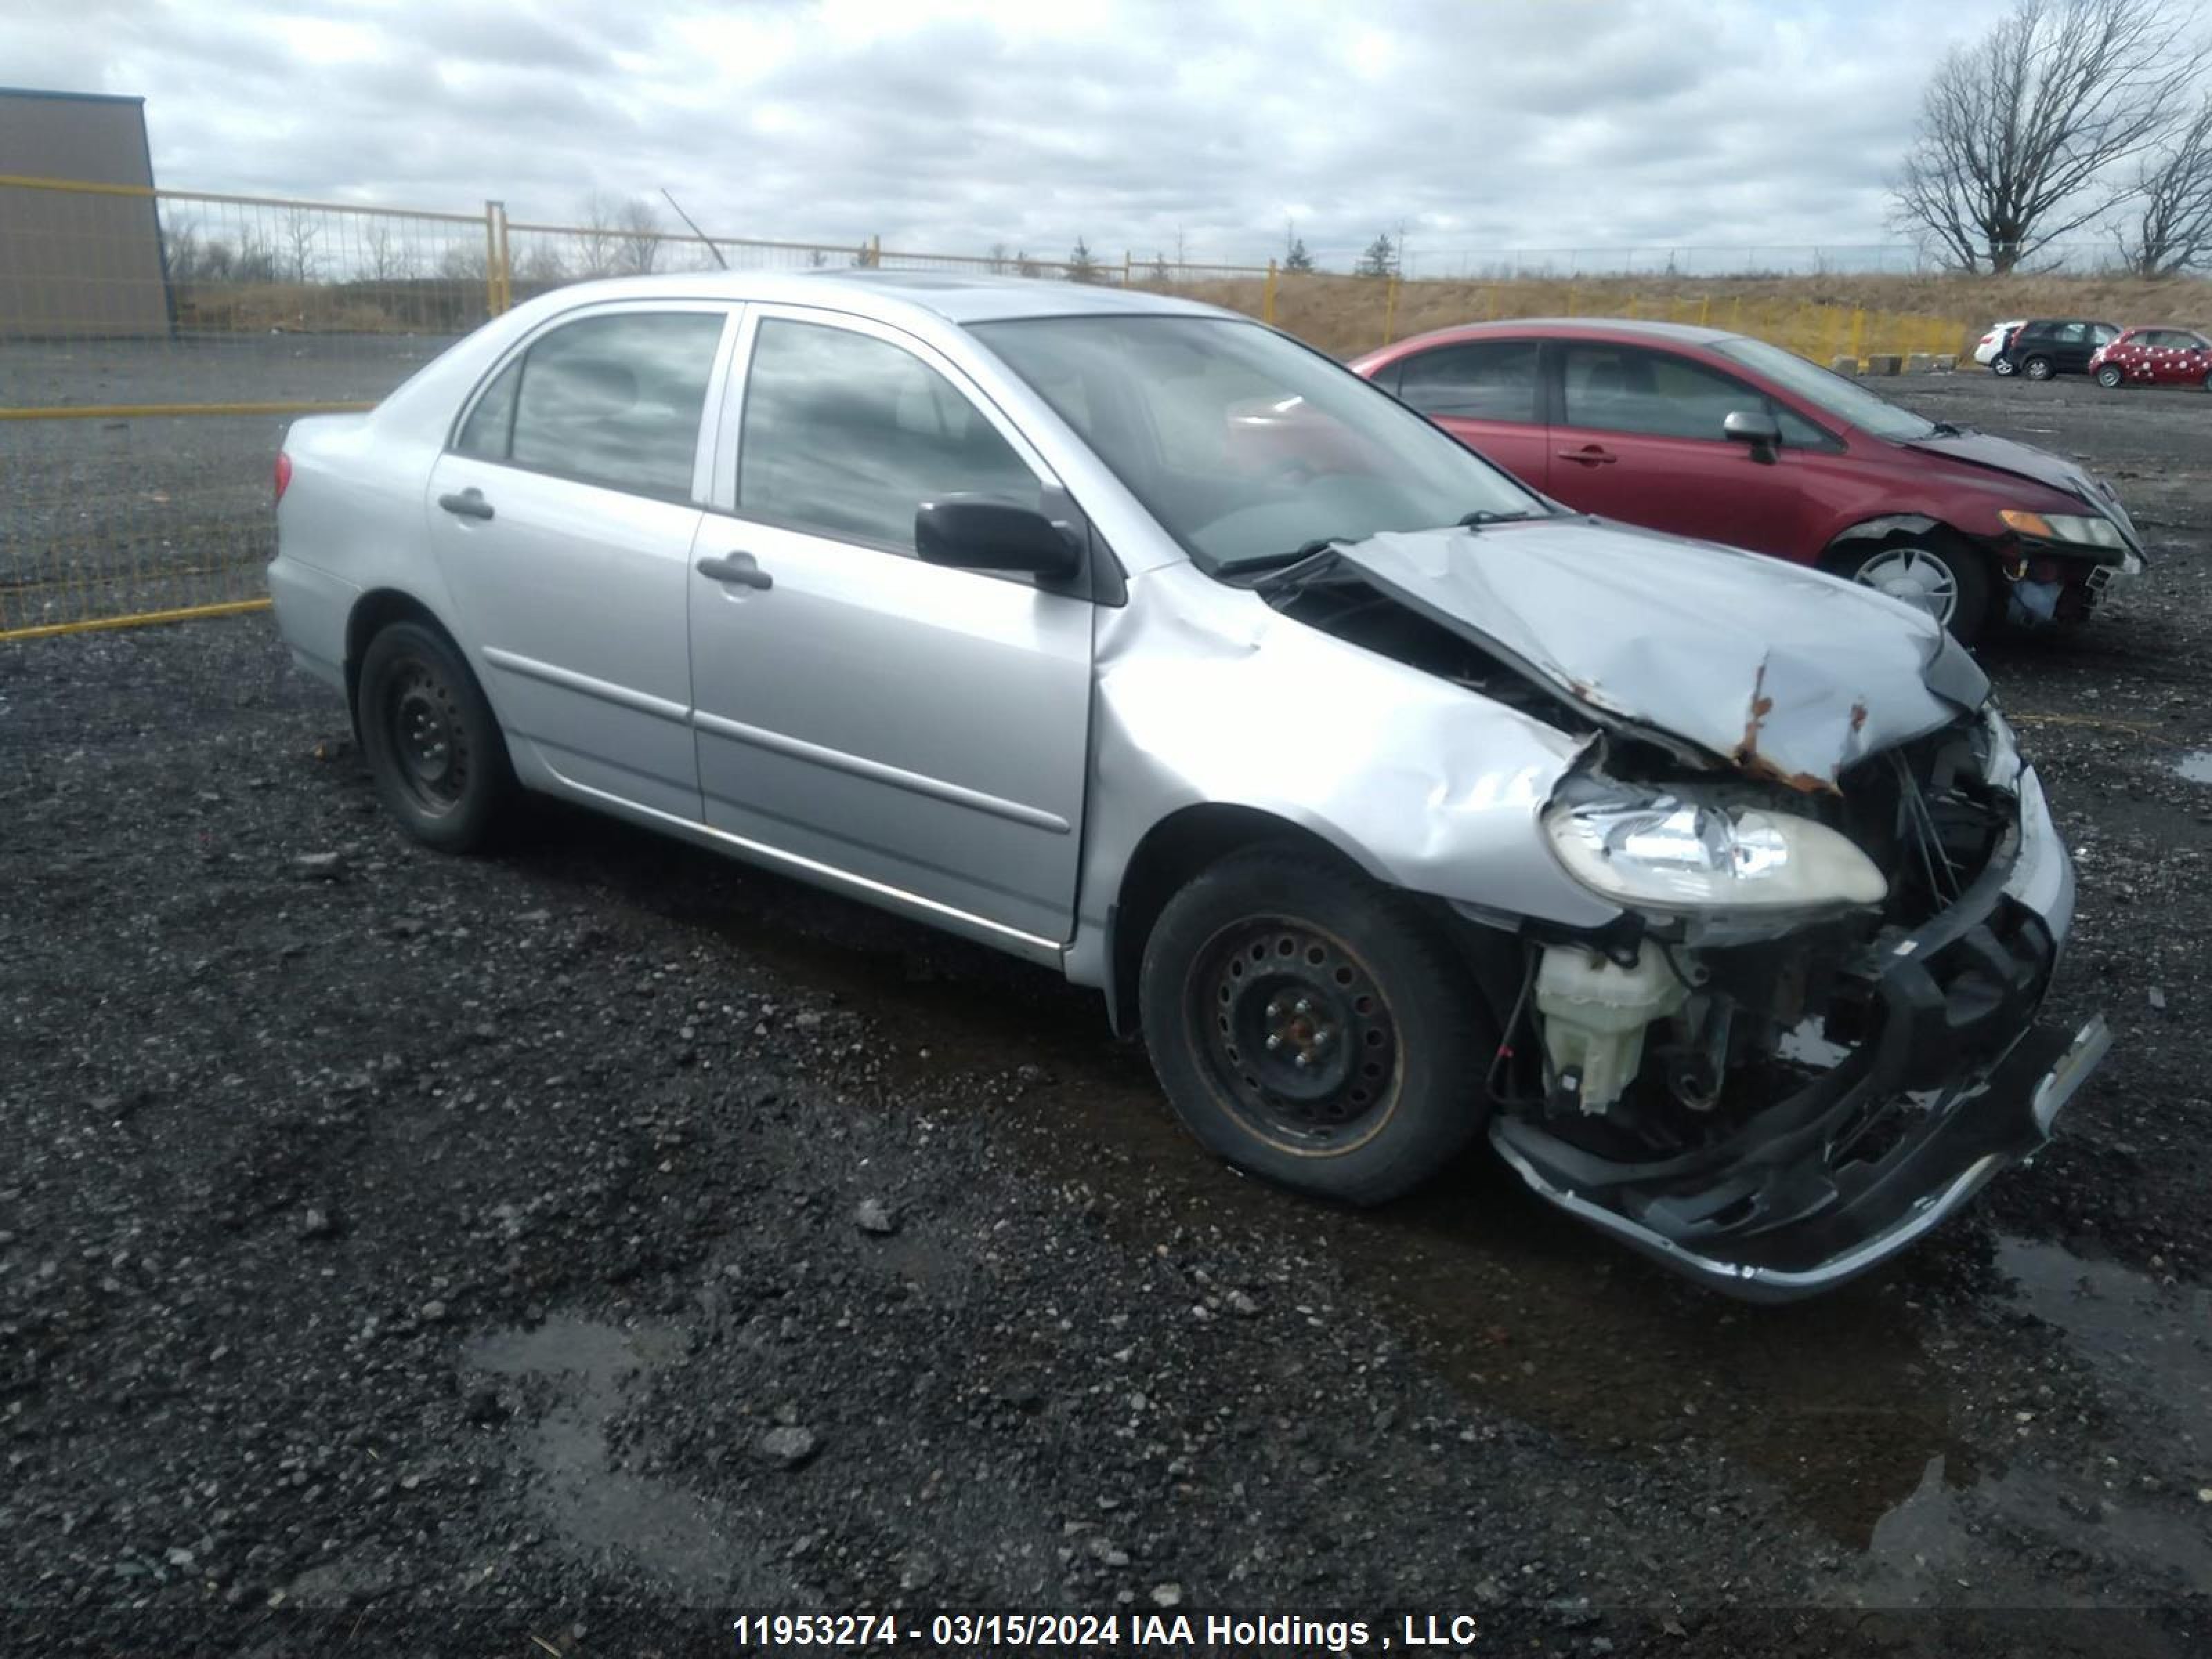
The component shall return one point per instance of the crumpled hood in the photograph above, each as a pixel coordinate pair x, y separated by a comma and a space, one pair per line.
1996, 454
1781, 671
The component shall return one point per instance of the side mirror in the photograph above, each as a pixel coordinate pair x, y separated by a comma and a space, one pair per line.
969, 533
1756, 428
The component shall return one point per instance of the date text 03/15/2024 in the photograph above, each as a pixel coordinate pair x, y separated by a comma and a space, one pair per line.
1255, 1633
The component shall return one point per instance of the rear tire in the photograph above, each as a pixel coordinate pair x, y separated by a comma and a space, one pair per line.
2108, 376
1310, 1026
2037, 368
2002, 365
434, 747
1935, 573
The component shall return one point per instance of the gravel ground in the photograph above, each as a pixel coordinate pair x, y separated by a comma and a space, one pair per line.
559, 1252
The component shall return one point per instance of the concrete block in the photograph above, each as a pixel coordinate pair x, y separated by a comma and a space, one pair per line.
1946, 362
1845, 365
1887, 362
1918, 362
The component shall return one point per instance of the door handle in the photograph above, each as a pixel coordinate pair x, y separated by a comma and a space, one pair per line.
740, 567
1590, 455
469, 504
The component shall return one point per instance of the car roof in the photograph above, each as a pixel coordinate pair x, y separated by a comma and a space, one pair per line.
955, 296
1595, 328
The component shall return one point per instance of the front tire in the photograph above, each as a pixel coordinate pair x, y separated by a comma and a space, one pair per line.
2037, 368
434, 748
1311, 1026
1934, 573
2108, 376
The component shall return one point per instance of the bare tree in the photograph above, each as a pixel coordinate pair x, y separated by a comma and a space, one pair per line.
385, 255
2019, 133
637, 239
462, 262
2172, 219
298, 231
598, 244
541, 262
182, 255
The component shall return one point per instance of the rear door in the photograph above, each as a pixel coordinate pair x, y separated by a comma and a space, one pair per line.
2070, 346
1639, 438
1486, 394
562, 517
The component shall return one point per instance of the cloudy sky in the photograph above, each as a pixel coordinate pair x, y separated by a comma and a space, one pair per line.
1480, 125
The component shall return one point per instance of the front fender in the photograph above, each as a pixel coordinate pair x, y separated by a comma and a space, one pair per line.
1214, 698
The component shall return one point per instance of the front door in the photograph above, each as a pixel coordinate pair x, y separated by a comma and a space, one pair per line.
1640, 439
917, 732
562, 518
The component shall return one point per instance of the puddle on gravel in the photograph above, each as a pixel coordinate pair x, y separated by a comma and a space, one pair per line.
2196, 766
595, 1508
2150, 1349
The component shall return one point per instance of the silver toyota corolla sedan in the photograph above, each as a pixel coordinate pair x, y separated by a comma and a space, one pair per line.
1396, 804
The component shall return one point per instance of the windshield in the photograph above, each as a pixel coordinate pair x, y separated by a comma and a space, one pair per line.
1249, 448
1847, 400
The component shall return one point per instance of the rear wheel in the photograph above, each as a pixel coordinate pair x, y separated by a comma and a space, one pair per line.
1310, 1026
1933, 572
434, 748
2002, 365
2037, 368
2108, 376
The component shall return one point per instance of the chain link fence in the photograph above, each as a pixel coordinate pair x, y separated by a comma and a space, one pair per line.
155, 344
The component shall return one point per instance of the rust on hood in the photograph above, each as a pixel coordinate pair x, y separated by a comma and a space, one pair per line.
1747, 759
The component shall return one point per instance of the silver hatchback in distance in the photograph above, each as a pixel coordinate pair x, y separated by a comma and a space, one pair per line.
1394, 805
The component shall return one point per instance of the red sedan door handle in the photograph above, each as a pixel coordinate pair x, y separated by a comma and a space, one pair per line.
1590, 455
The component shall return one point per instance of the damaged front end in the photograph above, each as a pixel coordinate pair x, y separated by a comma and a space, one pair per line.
1777, 1098
1809, 1032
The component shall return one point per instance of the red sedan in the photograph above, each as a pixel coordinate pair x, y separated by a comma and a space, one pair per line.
2155, 356
1727, 438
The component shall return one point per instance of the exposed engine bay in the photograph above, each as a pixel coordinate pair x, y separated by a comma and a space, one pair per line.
1763, 1089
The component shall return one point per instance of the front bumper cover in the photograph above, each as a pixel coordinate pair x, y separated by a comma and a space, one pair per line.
1959, 1082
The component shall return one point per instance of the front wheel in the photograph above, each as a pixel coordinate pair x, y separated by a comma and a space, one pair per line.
1310, 1026
433, 746
1934, 573
2108, 376
2003, 367
2037, 368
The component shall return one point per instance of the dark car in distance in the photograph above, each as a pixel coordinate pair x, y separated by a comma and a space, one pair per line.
1722, 438
2044, 347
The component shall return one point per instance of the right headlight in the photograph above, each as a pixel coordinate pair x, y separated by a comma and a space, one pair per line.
2082, 531
1676, 855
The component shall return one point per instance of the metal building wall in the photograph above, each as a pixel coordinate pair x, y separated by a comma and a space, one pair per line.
78, 262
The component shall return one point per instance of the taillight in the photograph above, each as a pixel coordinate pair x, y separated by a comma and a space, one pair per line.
283, 473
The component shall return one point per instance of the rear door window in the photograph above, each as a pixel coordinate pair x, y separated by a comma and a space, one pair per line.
1479, 380
612, 400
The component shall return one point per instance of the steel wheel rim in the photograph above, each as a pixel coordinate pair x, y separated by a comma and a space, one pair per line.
428, 742
1296, 1034
2108, 377
1916, 576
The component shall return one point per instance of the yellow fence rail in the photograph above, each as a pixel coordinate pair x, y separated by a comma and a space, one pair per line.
156, 342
